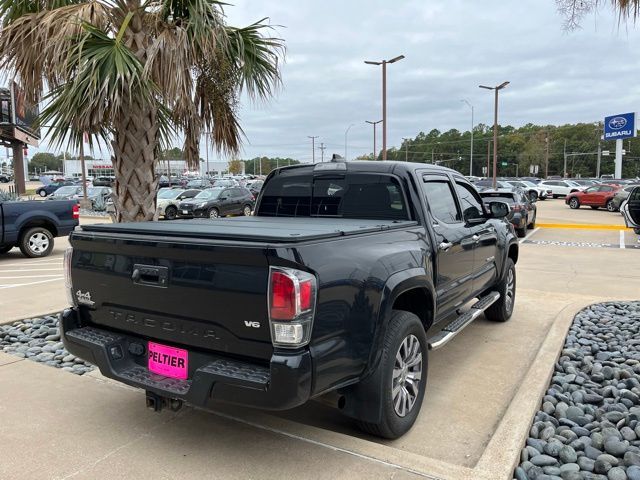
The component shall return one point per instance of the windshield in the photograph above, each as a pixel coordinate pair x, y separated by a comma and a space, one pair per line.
571, 183
169, 194
503, 197
94, 191
528, 183
209, 194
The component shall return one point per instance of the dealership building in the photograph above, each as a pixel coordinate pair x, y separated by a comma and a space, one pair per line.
104, 168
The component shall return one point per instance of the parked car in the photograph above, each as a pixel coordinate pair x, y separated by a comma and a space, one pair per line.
168, 200
295, 302
200, 184
630, 209
104, 181
561, 188
4, 178
482, 185
218, 202
34, 178
522, 210
67, 192
594, 197
622, 194
32, 225
255, 186
224, 182
97, 195
534, 191
52, 187
584, 182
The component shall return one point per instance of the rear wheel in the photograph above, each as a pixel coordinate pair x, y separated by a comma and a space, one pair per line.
574, 203
246, 211
555, 196
501, 310
532, 225
611, 207
213, 213
42, 193
403, 373
533, 195
170, 213
36, 242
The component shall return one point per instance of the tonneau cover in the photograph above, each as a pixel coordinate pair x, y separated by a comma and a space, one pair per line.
262, 229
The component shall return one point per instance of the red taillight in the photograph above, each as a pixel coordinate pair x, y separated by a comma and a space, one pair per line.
306, 295
76, 211
516, 208
283, 296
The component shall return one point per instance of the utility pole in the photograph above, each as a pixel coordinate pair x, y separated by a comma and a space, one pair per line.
546, 157
496, 89
564, 175
406, 149
471, 157
206, 143
322, 149
384, 99
374, 135
313, 149
488, 157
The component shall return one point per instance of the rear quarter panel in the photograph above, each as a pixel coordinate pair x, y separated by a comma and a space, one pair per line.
17, 215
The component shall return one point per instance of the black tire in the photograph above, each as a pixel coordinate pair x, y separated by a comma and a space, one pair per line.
5, 249
171, 212
521, 232
403, 327
501, 310
611, 207
246, 210
532, 225
636, 231
555, 196
595, 207
574, 203
213, 213
42, 193
36, 242
533, 195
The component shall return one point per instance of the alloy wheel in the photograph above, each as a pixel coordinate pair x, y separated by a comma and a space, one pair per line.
407, 373
510, 291
38, 242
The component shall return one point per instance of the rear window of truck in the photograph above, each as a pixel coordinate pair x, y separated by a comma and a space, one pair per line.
350, 195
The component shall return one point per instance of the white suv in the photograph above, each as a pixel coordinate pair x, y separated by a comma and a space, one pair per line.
561, 188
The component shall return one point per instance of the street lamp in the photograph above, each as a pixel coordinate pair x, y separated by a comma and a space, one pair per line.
374, 135
471, 160
384, 99
313, 147
406, 148
495, 128
345, 140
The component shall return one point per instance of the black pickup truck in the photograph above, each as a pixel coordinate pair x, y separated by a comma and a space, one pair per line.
32, 225
331, 287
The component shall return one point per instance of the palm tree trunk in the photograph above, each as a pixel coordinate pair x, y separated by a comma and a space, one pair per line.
134, 148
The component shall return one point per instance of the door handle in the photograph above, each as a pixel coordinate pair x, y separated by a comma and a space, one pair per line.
444, 246
475, 238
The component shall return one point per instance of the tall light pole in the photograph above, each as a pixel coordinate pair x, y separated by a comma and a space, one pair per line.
374, 135
406, 148
471, 159
384, 98
345, 140
495, 128
313, 148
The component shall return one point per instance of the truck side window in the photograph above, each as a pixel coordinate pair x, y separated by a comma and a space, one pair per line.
471, 206
441, 200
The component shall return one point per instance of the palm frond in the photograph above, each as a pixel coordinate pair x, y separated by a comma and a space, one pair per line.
256, 57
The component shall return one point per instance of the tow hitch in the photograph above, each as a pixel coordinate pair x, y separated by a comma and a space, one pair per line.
156, 402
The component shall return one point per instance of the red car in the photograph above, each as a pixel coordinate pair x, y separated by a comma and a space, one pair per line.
595, 197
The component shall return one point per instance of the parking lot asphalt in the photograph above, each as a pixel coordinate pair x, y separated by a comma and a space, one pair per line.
483, 389
33, 286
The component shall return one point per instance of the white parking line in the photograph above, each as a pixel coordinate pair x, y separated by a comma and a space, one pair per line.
33, 265
29, 276
530, 233
30, 283
622, 242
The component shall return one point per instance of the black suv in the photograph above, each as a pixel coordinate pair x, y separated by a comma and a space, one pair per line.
218, 202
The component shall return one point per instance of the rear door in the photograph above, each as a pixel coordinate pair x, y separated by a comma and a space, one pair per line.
453, 241
631, 209
590, 196
604, 193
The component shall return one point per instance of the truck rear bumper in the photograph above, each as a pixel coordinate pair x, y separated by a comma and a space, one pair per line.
284, 384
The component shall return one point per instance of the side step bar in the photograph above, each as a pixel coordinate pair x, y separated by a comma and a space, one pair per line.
456, 326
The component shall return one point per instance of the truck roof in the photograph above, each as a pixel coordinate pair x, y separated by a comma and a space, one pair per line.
385, 166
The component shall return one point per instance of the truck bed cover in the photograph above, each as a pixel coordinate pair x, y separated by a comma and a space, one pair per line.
260, 229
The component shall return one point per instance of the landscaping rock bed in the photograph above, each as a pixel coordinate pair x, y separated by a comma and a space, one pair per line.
93, 213
38, 339
588, 425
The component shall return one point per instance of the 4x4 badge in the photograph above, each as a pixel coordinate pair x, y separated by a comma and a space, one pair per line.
84, 298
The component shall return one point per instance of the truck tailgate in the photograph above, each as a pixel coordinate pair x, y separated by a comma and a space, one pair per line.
185, 293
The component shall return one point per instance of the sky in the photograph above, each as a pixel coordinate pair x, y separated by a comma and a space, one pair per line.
451, 47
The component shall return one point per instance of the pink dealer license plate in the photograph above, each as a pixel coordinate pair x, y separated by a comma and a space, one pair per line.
168, 361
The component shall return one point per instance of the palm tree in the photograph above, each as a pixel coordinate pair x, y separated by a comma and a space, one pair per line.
134, 73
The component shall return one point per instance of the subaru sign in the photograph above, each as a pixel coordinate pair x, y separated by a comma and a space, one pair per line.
620, 126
